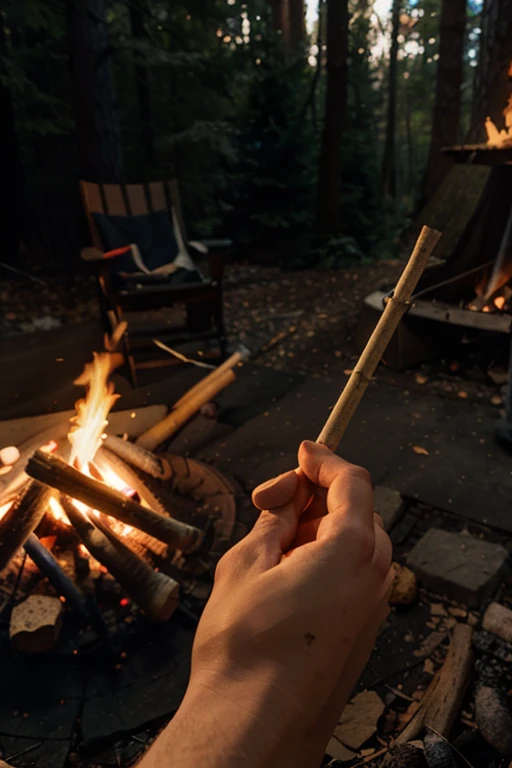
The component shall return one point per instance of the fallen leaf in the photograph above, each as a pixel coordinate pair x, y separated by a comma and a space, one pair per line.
420, 450
337, 751
367, 752
463, 395
496, 400
438, 609
420, 378
454, 366
498, 375
429, 644
359, 720
348, 371
429, 667
416, 415
458, 612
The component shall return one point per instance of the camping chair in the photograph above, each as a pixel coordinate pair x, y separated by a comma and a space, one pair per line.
141, 260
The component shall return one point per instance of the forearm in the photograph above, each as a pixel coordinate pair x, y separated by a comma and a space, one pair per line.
225, 723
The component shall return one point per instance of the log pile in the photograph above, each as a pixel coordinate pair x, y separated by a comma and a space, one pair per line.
118, 532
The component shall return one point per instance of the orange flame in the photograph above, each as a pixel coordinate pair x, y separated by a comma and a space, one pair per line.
503, 137
91, 419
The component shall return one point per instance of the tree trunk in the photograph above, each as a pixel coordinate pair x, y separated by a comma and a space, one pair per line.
450, 72
11, 169
328, 191
146, 136
389, 157
94, 92
281, 19
492, 86
297, 24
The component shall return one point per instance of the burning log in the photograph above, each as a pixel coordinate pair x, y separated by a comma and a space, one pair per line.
139, 457
445, 694
189, 405
57, 474
154, 592
24, 515
50, 568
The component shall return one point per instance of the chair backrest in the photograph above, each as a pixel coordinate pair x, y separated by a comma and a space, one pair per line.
131, 200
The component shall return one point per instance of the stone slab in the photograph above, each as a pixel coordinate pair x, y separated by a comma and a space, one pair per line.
458, 565
389, 504
464, 472
40, 754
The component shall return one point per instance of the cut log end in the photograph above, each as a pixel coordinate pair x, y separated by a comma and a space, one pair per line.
35, 624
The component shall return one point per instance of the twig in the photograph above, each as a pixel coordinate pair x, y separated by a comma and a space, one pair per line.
396, 306
181, 357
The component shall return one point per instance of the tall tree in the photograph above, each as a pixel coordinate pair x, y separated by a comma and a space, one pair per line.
280, 10
137, 8
447, 105
296, 16
94, 93
389, 156
492, 86
328, 189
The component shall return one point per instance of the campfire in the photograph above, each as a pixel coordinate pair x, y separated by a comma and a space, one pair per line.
151, 522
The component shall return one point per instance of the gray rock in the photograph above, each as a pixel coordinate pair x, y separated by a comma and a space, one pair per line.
389, 504
458, 565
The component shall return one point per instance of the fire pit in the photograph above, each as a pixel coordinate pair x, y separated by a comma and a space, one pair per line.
101, 543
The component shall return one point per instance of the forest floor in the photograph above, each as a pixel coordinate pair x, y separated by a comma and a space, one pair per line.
312, 313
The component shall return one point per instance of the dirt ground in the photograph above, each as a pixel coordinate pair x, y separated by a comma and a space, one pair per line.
308, 318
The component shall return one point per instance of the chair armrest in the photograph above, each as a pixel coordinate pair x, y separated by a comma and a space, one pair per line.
217, 245
95, 254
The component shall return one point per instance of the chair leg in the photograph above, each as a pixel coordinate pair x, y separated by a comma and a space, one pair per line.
218, 316
129, 360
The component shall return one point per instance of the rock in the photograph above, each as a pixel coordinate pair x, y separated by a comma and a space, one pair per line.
336, 750
460, 566
438, 752
36, 623
389, 504
498, 620
493, 719
359, 720
405, 586
406, 756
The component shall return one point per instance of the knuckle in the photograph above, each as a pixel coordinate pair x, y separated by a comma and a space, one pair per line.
357, 473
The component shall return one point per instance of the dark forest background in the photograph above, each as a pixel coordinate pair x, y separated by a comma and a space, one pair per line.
307, 148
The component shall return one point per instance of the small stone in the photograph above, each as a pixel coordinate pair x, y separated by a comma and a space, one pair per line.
493, 719
498, 620
462, 567
405, 586
389, 504
459, 613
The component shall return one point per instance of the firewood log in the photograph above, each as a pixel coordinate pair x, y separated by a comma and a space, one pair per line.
443, 698
36, 623
139, 457
24, 515
183, 412
227, 365
53, 471
154, 592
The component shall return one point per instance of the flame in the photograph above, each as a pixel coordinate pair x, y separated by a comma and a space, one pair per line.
503, 137
91, 419
5, 508
57, 511
500, 302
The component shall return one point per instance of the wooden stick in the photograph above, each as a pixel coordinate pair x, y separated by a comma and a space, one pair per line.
55, 574
227, 365
396, 306
181, 414
443, 698
154, 592
24, 515
138, 457
53, 471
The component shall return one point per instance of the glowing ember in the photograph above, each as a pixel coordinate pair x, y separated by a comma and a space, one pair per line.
91, 419
500, 302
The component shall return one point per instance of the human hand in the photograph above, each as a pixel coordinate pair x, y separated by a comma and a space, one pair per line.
292, 618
